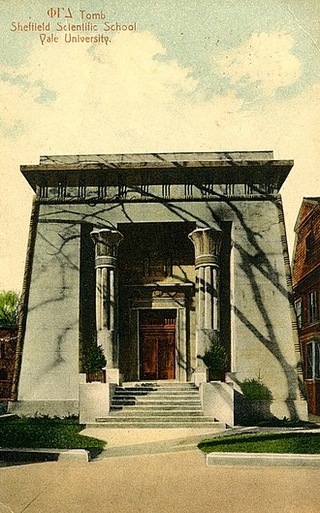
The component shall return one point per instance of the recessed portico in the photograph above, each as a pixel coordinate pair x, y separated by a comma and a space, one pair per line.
156, 263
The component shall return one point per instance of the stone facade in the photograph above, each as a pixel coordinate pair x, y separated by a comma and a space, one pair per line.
154, 254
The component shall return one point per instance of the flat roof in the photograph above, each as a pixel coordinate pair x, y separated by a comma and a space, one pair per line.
157, 168
158, 158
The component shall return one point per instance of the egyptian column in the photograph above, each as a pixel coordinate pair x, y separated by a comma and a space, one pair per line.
207, 243
106, 250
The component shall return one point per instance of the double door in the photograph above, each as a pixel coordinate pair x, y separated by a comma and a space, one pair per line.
157, 344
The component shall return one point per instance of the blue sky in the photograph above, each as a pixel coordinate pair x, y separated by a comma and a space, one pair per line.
205, 75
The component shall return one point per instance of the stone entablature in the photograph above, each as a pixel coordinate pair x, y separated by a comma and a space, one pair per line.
89, 194
150, 177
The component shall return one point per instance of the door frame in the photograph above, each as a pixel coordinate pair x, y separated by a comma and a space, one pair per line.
165, 331
182, 357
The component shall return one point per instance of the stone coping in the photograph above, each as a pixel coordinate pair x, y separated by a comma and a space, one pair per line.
262, 459
13, 455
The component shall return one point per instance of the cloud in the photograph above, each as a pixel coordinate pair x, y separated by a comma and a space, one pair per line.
97, 95
265, 61
130, 97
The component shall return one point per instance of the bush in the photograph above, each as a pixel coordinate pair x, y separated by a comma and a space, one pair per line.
94, 359
254, 389
9, 307
215, 358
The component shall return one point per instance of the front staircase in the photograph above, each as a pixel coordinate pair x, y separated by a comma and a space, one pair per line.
157, 405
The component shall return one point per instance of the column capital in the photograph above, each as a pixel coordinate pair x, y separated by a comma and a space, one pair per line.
106, 246
207, 243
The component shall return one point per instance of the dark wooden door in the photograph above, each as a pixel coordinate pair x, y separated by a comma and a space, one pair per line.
157, 345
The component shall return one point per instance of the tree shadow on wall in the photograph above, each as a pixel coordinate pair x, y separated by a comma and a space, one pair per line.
253, 262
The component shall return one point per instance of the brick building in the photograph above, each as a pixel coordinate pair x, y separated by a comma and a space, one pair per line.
8, 341
306, 282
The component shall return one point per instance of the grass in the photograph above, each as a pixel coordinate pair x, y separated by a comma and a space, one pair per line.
283, 423
289, 443
45, 433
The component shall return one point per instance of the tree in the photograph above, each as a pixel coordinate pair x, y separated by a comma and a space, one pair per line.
9, 306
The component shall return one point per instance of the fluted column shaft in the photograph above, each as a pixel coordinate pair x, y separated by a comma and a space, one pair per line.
207, 243
106, 249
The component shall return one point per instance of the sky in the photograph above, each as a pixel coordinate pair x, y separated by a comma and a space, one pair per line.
161, 76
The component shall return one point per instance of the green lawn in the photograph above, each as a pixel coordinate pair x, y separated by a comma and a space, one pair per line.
44, 432
292, 443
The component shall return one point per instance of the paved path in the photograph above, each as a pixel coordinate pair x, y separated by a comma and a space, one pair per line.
167, 476
130, 442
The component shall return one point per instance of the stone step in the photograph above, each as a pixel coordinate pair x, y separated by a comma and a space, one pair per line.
156, 413
165, 390
152, 424
157, 393
154, 418
157, 405
157, 397
169, 410
154, 405
160, 408
158, 384
156, 400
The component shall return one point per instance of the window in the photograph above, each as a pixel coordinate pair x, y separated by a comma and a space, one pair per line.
317, 360
3, 374
309, 362
313, 360
298, 308
313, 306
309, 245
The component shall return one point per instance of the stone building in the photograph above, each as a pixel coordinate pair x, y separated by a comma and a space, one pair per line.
306, 282
156, 254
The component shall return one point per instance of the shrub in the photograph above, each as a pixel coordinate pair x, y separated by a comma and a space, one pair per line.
215, 358
94, 359
9, 306
254, 389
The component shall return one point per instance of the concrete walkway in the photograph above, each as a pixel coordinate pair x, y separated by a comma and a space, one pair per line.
155, 471
132, 442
